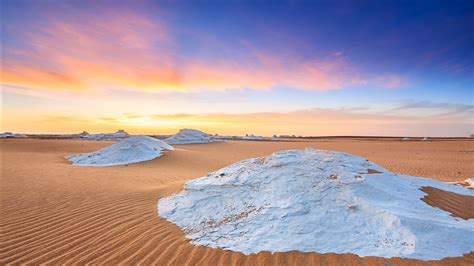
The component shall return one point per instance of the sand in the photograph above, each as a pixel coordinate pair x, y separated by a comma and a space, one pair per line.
458, 205
54, 212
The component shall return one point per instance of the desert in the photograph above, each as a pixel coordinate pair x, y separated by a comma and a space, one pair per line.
55, 212
192, 132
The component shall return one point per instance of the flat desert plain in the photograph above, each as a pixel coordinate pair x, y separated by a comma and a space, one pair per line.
55, 213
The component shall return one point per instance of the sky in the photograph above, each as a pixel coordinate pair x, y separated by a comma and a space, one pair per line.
314, 68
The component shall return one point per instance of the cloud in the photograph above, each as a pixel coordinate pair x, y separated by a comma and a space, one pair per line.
132, 50
435, 110
389, 81
108, 119
64, 119
88, 51
132, 116
428, 104
172, 116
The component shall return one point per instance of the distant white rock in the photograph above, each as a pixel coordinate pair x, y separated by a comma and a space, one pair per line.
83, 134
120, 134
252, 137
8, 135
317, 201
221, 137
130, 150
425, 139
406, 138
190, 136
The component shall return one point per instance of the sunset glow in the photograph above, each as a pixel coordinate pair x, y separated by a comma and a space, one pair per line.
307, 69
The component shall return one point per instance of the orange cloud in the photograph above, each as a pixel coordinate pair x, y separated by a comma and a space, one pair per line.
34, 77
90, 51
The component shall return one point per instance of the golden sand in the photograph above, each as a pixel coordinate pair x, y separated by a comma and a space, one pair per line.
53, 212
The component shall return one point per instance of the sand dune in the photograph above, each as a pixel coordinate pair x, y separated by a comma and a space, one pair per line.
54, 212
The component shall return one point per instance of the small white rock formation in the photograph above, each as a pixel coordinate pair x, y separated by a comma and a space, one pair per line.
406, 138
252, 137
83, 133
130, 150
120, 134
221, 137
8, 135
190, 136
425, 139
317, 201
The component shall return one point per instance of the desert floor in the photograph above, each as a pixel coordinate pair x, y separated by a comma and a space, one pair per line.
54, 212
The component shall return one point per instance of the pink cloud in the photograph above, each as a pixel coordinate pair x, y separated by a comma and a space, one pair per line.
123, 49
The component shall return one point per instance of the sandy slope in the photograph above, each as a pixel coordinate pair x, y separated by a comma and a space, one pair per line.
55, 212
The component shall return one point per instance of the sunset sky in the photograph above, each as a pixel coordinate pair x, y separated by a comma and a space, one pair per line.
403, 68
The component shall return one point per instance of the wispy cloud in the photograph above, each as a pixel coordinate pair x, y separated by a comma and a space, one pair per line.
63, 119
428, 104
132, 50
432, 109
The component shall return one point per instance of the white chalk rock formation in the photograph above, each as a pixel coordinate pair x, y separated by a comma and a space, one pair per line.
190, 136
252, 137
130, 150
120, 134
8, 135
317, 201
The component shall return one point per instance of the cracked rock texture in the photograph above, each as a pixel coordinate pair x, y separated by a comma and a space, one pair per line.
317, 201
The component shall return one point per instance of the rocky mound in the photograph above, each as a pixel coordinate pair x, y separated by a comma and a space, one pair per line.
318, 201
190, 136
252, 137
130, 150
119, 135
